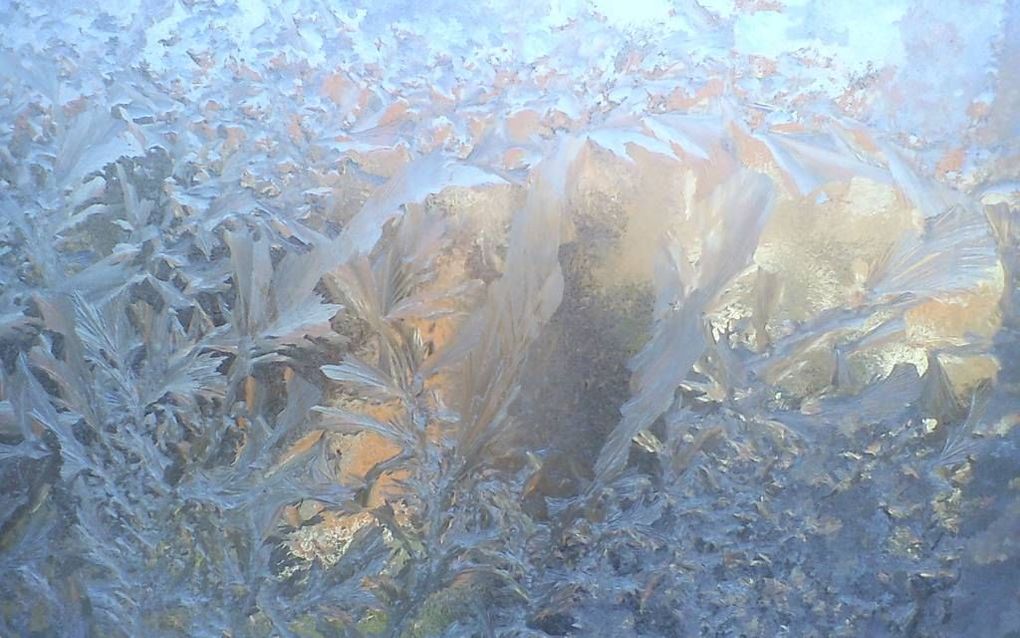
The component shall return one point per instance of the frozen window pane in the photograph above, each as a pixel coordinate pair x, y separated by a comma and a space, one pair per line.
572, 318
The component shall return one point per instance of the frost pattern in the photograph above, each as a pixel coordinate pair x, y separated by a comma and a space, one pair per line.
686, 318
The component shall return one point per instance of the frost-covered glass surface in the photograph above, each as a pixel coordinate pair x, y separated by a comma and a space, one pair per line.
580, 318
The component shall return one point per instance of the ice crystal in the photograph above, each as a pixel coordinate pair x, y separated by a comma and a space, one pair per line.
588, 318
